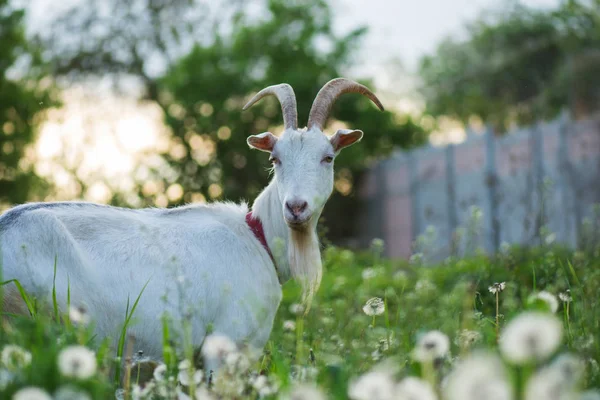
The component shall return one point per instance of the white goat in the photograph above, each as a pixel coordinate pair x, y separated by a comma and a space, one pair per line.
231, 262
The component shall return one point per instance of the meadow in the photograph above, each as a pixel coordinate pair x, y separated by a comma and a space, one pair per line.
519, 325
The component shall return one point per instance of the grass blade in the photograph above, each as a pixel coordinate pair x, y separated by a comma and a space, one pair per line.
28, 302
128, 316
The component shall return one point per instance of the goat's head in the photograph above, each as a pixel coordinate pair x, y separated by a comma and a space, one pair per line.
303, 158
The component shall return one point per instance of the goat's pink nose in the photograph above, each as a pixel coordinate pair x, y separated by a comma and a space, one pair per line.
296, 207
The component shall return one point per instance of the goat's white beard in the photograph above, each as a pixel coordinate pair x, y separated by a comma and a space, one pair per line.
305, 262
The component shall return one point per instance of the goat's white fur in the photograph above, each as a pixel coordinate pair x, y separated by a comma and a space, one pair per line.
205, 256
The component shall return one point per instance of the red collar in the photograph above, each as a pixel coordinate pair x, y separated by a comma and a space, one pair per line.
257, 228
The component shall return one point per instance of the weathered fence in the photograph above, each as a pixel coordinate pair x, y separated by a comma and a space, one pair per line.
545, 178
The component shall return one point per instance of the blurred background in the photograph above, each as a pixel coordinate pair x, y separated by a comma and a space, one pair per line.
138, 103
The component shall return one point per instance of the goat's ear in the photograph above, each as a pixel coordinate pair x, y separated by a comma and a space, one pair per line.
344, 138
264, 141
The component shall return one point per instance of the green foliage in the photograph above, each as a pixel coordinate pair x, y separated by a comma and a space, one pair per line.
21, 99
210, 72
207, 89
518, 65
337, 341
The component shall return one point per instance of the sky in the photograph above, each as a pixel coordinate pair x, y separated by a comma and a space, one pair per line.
408, 29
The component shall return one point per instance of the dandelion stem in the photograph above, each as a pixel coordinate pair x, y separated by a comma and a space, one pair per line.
497, 315
299, 334
567, 304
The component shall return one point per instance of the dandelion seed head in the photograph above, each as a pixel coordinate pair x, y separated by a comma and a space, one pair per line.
531, 336
570, 367
373, 385
547, 383
547, 298
217, 346
425, 285
71, 393
296, 309
374, 306
14, 357
565, 296
79, 315
304, 392
237, 362
160, 373
479, 376
413, 388
77, 362
31, 393
431, 346
369, 273
497, 287
289, 325
203, 394
466, 338
184, 365
187, 376
377, 245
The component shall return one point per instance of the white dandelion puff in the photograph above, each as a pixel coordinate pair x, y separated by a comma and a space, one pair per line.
547, 298
14, 357
259, 382
296, 309
31, 393
159, 373
187, 376
304, 392
413, 388
431, 346
466, 338
217, 346
184, 365
373, 385
531, 336
77, 362
424, 286
71, 393
479, 376
548, 383
289, 325
236, 362
79, 315
565, 296
377, 245
570, 367
497, 287
369, 273
374, 306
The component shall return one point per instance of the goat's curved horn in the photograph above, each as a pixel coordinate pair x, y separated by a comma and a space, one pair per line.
287, 99
321, 107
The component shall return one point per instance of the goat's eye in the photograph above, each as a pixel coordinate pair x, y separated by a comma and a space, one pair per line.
328, 159
274, 160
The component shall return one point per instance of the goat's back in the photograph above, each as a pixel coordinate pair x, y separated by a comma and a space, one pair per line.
204, 254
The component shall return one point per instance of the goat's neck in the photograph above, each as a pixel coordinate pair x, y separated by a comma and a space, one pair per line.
268, 208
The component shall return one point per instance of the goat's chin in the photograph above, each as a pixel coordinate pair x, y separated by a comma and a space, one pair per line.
305, 261
299, 226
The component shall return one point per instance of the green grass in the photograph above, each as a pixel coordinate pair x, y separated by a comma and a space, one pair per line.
345, 342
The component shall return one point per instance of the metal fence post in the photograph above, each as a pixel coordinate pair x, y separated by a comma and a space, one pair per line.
451, 192
415, 195
491, 183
